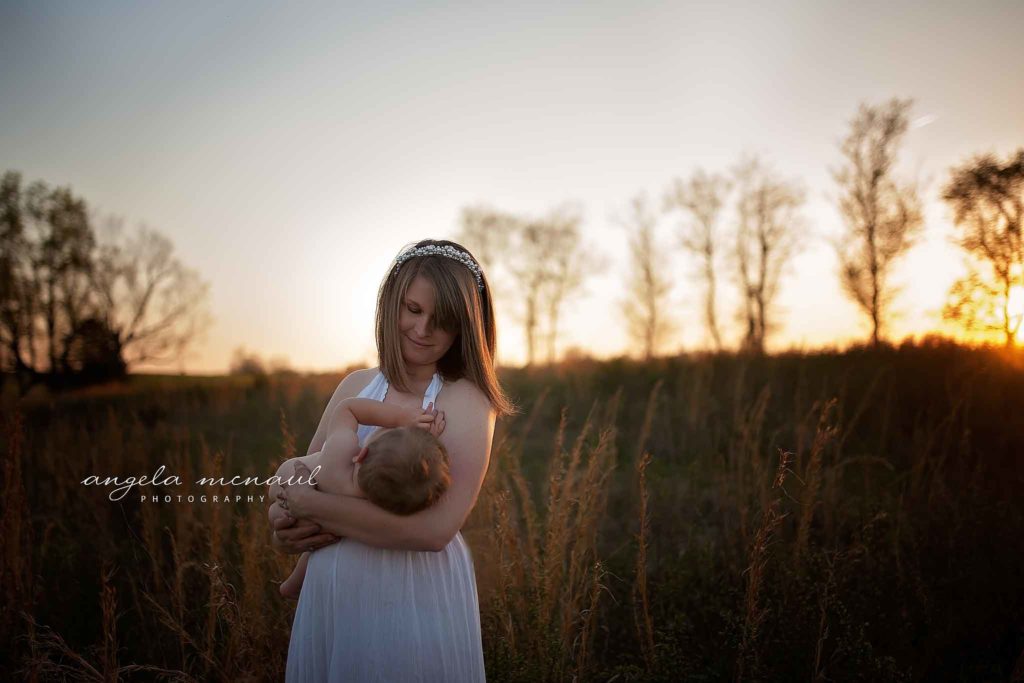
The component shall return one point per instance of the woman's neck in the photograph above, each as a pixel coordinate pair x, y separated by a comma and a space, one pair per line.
419, 375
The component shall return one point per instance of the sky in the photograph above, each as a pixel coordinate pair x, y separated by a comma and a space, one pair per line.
289, 150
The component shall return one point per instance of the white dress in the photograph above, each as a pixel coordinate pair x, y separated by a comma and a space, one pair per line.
370, 614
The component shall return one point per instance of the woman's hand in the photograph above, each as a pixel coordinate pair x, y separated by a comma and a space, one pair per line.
294, 498
294, 536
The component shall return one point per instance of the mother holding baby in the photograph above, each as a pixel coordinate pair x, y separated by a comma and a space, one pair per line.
395, 599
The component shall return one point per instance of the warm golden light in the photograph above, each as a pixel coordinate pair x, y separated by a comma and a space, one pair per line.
289, 184
1015, 310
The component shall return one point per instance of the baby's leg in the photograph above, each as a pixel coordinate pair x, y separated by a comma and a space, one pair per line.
292, 586
335, 475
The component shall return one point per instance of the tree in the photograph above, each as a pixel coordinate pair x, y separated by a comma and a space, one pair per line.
154, 303
486, 232
531, 268
17, 290
768, 227
701, 198
244, 362
987, 198
47, 243
882, 216
489, 234
646, 308
69, 300
94, 352
543, 256
568, 262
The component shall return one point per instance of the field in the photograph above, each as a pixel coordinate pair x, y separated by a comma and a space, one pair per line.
824, 517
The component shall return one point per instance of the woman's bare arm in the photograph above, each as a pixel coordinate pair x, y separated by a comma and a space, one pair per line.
467, 439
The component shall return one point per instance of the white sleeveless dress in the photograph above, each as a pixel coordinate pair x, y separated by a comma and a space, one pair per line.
370, 614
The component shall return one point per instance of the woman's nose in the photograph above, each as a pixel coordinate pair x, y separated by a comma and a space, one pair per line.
422, 327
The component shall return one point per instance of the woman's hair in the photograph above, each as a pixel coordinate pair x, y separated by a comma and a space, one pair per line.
405, 470
459, 307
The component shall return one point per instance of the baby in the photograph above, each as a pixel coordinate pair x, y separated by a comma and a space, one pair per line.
402, 468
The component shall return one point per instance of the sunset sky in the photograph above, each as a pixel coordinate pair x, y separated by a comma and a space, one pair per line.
289, 150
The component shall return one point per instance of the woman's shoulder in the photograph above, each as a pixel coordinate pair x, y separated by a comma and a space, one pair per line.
463, 393
354, 382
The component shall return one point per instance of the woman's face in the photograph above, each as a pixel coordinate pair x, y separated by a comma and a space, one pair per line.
422, 341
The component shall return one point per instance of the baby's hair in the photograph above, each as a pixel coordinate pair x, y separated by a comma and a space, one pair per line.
405, 470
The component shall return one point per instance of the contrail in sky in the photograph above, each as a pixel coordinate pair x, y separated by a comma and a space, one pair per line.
922, 121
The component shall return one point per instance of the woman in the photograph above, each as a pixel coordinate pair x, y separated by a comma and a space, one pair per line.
395, 599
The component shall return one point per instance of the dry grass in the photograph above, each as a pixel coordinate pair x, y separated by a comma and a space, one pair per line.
709, 519
548, 582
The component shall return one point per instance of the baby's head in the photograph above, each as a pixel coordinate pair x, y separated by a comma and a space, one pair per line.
405, 470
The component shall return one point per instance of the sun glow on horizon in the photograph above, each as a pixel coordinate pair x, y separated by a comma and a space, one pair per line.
1015, 311
290, 183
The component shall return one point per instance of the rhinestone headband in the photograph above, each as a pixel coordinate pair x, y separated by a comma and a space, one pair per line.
447, 251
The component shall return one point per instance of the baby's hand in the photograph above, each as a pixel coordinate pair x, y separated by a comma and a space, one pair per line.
437, 426
418, 417
431, 420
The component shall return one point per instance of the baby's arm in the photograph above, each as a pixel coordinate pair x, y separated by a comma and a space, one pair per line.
353, 412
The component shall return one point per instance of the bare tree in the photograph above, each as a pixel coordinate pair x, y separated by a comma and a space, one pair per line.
47, 243
544, 257
245, 362
701, 199
62, 243
648, 284
156, 305
486, 232
506, 244
568, 264
768, 227
18, 303
71, 304
530, 267
987, 198
883, 217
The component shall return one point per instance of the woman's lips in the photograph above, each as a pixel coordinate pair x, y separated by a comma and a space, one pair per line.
422, 346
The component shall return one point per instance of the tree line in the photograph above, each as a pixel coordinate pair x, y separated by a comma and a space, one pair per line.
81, 299
543, 260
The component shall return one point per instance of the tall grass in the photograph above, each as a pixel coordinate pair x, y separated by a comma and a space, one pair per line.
826, 517
549, 576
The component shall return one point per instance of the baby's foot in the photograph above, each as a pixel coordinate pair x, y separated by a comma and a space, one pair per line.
290, 588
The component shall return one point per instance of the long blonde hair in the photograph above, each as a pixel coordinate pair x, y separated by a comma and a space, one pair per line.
459, 307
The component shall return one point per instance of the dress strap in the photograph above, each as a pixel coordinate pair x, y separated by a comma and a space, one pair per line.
433, 389
378, 389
